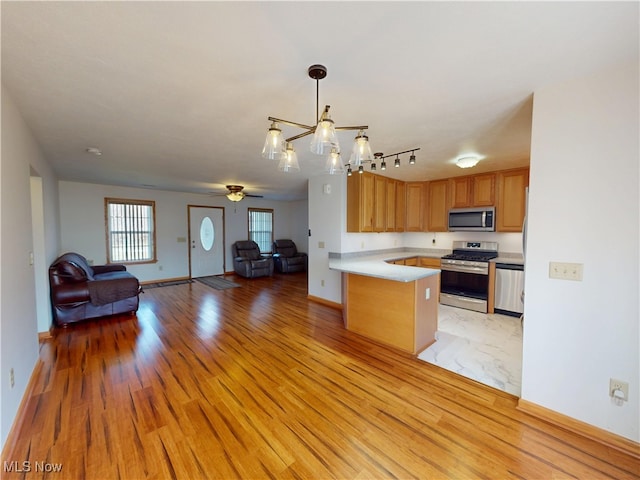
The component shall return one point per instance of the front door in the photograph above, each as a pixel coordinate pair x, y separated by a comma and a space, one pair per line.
206, 238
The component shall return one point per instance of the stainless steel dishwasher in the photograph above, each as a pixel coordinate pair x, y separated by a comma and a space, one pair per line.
509, 288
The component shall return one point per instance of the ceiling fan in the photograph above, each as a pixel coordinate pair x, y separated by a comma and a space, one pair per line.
235, 193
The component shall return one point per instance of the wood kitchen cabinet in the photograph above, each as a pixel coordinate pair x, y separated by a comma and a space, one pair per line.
379, 203
430, 262
484, 190
360, 202
460, 192
415, 206
473, 191
437, 206
375, 203
411, 261
390, 205
511, 199
401, 206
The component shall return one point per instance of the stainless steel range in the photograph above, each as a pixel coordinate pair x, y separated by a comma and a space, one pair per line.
464, 275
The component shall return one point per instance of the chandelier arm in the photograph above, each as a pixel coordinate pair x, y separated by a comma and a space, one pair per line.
361, 127
311, 131
290, 123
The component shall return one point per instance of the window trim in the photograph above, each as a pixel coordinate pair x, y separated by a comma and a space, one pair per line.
266, 210
129, 201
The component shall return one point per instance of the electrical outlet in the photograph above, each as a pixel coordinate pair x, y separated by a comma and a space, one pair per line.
427, 294
565, 271
12, 378
322, 283
617, 388
320, 244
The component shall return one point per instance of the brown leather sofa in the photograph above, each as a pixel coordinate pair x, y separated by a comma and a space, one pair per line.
80, 291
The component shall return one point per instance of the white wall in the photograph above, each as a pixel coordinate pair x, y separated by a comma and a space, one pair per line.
584, 192
327, 216
83, 224
18, 323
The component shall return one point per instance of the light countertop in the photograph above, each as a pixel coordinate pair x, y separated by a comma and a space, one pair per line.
375, 266
512, 259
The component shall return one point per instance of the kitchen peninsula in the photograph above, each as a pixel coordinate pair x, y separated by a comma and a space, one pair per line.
393, 304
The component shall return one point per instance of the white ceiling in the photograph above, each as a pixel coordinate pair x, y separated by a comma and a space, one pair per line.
177, 94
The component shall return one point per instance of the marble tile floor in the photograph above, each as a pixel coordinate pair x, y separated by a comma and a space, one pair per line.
484, 347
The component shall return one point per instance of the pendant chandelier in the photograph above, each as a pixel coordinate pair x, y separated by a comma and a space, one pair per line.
324, 141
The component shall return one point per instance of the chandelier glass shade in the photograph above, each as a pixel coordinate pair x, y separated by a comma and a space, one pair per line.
334, 163
361, 150
273, 144
289, 160
324, 136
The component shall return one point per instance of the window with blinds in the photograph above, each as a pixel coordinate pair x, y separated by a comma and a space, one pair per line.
130, 230
261, 228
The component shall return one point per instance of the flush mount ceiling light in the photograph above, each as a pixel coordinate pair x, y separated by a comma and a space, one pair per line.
94, 151
467, 161
324, 141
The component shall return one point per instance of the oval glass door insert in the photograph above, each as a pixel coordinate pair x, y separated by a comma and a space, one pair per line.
207, 233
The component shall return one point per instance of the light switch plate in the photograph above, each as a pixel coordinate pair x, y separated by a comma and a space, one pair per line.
565, 271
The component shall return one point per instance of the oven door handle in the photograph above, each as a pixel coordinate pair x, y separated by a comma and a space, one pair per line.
463, 299
455, 268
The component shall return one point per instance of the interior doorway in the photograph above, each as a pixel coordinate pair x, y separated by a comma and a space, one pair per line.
37, 257
206, 241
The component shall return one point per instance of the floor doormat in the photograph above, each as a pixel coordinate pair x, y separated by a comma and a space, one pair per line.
165, 284
218, 283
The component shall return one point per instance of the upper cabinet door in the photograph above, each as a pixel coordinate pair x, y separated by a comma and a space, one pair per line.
379, 203
401, 206
473, 191
360, 202
460, 192
484, 190
415, 207
511, 199
437, 201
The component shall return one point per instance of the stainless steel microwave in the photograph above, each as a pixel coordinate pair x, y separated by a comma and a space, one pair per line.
481, 219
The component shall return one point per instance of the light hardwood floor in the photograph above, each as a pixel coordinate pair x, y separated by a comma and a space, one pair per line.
259, 382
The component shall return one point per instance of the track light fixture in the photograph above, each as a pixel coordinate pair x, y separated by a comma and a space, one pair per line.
379, 157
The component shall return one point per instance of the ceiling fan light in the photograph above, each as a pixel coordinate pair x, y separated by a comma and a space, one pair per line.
361, 151
324, 136
334, 163
235, 196
273, 144
467, 161
289, 161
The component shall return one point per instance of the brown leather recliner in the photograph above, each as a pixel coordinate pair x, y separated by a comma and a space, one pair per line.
80, 291
249, 262
287, 258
